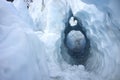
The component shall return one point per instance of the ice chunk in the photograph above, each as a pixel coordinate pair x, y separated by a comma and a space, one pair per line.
75, 41
72, 22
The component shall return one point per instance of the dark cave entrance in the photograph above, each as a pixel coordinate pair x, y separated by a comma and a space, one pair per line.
10, 0
76, 58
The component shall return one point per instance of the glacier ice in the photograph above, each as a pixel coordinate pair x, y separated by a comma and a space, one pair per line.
32, 40
96, 23
75, 41
72, 22
20, 48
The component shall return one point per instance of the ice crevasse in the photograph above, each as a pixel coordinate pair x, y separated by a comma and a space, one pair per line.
32, 40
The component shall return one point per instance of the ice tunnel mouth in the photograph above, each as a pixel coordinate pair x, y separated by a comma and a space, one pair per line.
80, 54
10, 0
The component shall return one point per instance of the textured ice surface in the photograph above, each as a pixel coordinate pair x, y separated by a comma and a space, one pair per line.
75, 41
20, 48
36, 55
100, 30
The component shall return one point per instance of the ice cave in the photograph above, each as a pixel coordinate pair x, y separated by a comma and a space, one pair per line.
59, 40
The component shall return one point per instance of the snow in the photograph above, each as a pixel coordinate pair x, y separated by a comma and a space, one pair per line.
23, 12
20, 49
72, 22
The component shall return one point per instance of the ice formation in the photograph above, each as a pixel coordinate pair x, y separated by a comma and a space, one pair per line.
32, 40
76, 41
72, 22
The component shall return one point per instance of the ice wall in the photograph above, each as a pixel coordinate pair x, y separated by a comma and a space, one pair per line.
21, 53
23, 12
100, 29
36, 55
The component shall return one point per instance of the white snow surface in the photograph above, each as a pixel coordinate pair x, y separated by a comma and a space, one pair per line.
20, 48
